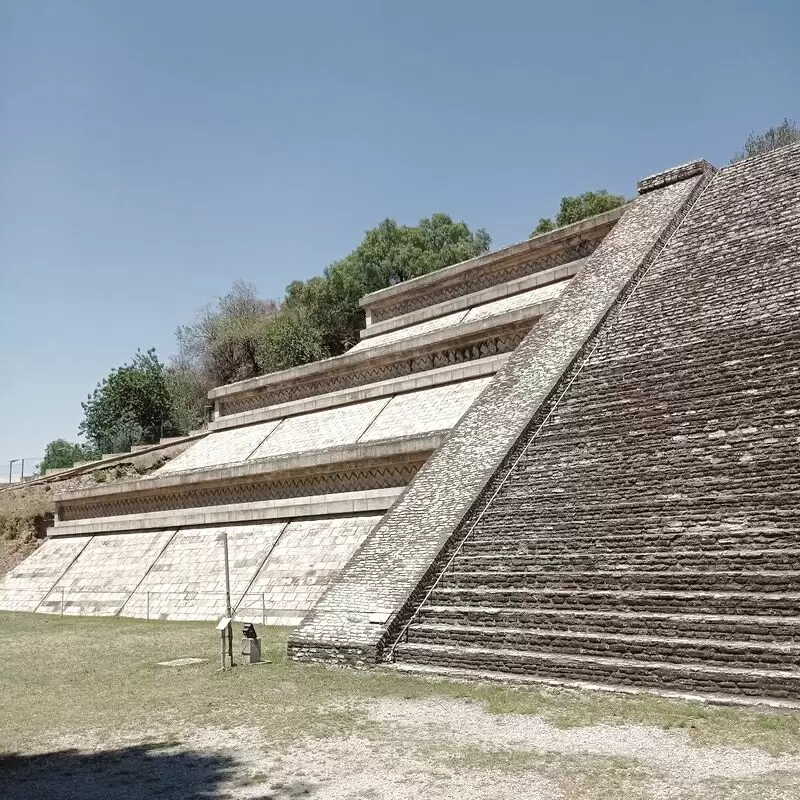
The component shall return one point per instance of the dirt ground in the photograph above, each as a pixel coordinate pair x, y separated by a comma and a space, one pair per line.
88, 712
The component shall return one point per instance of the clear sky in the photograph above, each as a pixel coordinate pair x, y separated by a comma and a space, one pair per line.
153, 152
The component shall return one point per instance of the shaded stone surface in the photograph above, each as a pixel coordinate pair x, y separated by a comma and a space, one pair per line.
649, 534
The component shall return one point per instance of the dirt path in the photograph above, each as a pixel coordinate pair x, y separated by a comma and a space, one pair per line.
431, 748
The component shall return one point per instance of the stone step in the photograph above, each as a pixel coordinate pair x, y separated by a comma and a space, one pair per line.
687, 626
517, 679
531, 512
668, 559
778, 604
621, 580
780, 684
760, 655
519, 539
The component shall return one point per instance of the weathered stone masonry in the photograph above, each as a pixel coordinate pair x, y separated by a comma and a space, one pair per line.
649, 533
395, 558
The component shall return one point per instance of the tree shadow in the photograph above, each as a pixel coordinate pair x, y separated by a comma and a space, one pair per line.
147, 772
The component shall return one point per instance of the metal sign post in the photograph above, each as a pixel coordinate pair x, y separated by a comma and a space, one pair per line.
228, 608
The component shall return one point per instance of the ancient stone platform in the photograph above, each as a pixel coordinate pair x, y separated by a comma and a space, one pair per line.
639, 519
298, 467
573, 460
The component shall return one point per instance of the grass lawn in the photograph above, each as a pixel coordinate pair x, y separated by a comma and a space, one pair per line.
78, 685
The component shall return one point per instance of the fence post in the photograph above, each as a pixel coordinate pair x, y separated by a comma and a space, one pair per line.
263, 610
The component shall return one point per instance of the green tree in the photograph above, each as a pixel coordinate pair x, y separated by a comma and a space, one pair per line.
188, 390
288, 340
389, 254
129, 407
60, 453
222, 346
779, 136
574, 209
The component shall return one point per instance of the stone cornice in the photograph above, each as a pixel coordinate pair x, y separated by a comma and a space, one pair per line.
339, 504
411, 447
545, 247
395, 359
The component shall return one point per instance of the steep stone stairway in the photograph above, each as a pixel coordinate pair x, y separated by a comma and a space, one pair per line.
650, 534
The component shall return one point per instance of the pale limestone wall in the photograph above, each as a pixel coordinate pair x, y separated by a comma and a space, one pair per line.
105, 573
424, 411
188, 579
532, 297
335, 426
545, 294
421, 328
307, 557
411, 413
220, 448
25, 586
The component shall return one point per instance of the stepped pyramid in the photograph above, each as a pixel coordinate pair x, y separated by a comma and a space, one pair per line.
573, 460
621, 505
299, 466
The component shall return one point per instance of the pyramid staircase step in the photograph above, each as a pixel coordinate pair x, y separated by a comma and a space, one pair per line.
782, 604
701, 560
517, 539
706, 678
687, 626
763, 655
687, 580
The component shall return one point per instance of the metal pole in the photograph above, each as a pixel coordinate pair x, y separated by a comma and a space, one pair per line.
62, 602
148, 604
263, 610
22, 472
228, 609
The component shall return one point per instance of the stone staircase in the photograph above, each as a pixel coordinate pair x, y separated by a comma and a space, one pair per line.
649, 535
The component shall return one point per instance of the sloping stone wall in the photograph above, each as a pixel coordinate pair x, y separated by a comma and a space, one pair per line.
106, 572
650, 533
397, 555
277, 571
25, 586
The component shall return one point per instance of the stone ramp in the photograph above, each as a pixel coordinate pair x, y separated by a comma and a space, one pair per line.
101, 579
648, 534
27, 585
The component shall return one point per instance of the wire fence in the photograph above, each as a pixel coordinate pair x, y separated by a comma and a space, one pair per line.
198, 605
16, 470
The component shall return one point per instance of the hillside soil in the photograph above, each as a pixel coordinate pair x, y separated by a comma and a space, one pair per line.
26, 510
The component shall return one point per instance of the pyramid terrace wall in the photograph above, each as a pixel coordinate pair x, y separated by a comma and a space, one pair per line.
353, 618
299, 466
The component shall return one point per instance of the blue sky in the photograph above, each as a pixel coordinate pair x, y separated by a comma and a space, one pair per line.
151, 153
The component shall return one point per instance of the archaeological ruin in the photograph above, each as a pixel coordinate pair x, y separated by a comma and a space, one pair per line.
572, 460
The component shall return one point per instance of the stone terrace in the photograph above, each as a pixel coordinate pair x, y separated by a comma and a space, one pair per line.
299, 466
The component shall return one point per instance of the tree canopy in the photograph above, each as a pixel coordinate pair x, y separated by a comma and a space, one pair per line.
779, 136
388, 254
132, 405
60, 453
578, 207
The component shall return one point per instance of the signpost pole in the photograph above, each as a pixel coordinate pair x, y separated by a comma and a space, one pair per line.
228, 609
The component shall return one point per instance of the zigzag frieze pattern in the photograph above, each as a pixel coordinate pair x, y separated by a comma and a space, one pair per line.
503, 342
352, 478
485, 278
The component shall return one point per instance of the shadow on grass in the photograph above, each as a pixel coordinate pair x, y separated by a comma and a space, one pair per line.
158, 771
